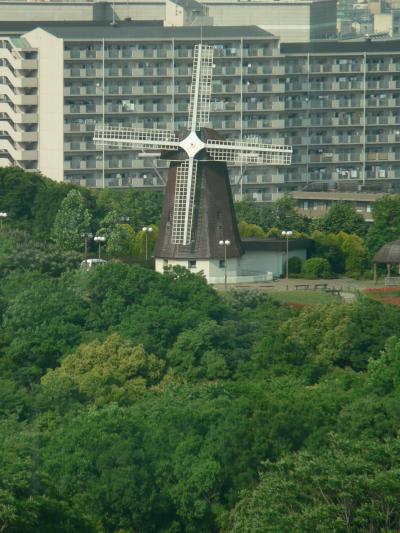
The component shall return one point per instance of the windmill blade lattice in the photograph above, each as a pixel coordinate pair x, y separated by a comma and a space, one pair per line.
185, 188
134, 138
248, 152
200, 90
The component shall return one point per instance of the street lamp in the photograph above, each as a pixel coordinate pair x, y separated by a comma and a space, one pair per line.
147, 230
3, 216
86, 236
225, 243
100, 239
287, 234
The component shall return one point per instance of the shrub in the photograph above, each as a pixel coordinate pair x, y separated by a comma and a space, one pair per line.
295, 264
317, 267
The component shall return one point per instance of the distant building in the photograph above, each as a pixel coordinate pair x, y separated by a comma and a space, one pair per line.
316, 204
290, 20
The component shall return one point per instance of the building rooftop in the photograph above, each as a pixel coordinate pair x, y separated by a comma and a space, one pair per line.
337, 196
126, 30
141, 30
274, 245
388, 254
338, 47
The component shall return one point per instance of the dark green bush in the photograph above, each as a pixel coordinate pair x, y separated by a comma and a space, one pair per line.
317, 267
295, 264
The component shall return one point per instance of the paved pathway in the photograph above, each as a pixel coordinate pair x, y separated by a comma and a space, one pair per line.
346, 286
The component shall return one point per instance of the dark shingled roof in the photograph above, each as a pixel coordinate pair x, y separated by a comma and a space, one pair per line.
388, 254
274, 245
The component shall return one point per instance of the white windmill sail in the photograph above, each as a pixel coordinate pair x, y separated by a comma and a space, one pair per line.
199, 114
105, 135
248, 152
200, 90
185, 188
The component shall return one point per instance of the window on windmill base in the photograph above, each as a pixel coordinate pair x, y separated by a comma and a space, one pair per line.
222, 263
192, 263
165, 263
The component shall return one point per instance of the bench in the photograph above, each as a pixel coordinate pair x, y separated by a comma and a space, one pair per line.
302, 287
320, 286
334, 292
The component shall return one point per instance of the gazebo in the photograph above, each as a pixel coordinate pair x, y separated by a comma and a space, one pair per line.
388, 255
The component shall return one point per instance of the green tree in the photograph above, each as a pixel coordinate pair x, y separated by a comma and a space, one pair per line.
341, 217
386, 225
295, 265
72, 220
384, 371
248, 212
349, 487
143, 208
316, 267
29, 501
42, 323
17, 192
139, 242
20, 252
101, 373
355, 252
281, 214
247, 230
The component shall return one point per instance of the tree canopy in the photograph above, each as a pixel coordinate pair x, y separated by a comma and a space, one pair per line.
134, 401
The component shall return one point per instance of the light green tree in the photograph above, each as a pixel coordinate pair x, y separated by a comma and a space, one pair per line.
120, 236
72, 220
102, 372
139, 247
247, 230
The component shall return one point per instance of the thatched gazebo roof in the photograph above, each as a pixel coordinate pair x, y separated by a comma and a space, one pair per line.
388, 254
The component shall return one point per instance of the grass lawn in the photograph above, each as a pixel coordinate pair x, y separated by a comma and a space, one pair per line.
304, 297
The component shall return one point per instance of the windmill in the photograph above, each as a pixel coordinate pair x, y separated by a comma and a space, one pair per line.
198, 207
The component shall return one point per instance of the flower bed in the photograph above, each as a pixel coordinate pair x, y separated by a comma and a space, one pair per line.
387, 295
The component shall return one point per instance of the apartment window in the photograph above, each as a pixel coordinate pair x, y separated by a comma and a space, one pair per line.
222, 263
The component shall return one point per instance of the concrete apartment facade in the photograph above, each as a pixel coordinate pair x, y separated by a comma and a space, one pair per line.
337, 103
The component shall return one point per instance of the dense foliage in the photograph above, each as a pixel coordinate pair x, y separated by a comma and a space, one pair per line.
132, 401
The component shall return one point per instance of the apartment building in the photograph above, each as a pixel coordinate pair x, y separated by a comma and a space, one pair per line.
140, 76
337, 103
18, 103
342, 112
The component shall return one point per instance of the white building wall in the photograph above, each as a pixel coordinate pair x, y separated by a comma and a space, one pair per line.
251, 267
51, 102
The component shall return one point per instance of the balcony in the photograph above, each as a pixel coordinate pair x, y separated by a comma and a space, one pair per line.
278, 70
79, 128
16, 61
17, 153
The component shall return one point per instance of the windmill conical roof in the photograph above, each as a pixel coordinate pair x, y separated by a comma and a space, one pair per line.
389, 253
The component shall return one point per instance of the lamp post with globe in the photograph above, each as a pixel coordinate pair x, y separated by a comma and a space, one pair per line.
225, 244
147, 230
286, 235
100, 239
